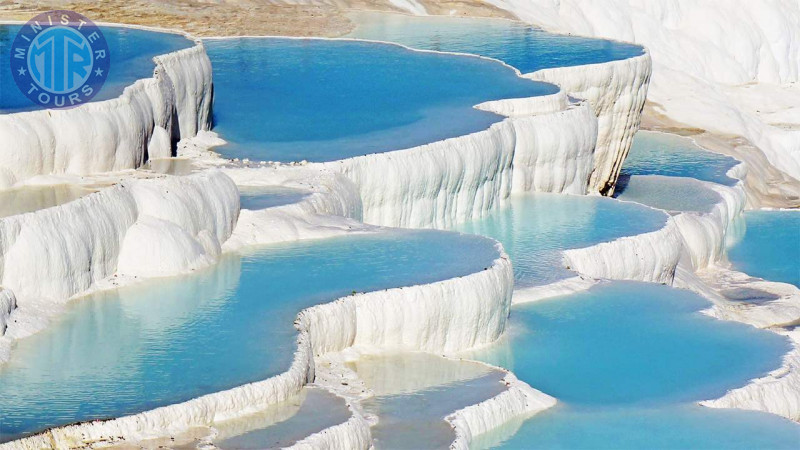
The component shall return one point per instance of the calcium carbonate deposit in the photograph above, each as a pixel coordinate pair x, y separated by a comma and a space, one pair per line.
213, 254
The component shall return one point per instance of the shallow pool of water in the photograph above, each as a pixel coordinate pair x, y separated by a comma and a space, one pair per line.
323, 100
520, 45
268, 197
166, 341
770, 247
132, 53
673, 194
33, 198
414, 392
627, 361
283, 424
655, 153
683, 426
535, 228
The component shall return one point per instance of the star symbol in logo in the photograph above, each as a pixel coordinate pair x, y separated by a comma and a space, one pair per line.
98, 72
22, 71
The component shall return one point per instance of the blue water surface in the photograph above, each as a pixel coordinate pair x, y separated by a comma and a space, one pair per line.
673, 194
519, 45
414, 392
770, 248
132, 52
321, 100
166, 341
655, 153
535, 228
627, 361
269, 197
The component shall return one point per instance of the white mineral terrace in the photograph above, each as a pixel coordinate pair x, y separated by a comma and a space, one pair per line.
149, 225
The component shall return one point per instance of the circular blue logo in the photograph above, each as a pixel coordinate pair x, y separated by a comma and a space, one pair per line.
60, 59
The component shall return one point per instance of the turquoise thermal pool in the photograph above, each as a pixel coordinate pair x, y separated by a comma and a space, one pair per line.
517, 44
324, 100
268, 197
627, 362
132, 51
770, 248
655, 153
673, 194
129, 350
535, 228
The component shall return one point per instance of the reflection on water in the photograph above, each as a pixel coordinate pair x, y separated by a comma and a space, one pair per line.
667, 154
283, 424
518, 44
33, 198
321, 100
256, 198
414, 392
673, 194
535, 228
170, 166
132, 53
166, 341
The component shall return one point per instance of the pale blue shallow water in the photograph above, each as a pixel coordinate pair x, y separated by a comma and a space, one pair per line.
416, 420
627, 361
414, 392
168, 341
321, 100
269, 197
673, 194
132, 53
770, 248
535, 228
519, 45
667, 154
312, 411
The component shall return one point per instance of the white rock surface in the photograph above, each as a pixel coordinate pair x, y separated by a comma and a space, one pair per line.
649, 257
112, 135
450, 181
156, 227
519, 400
617, 91
689, 252
546, 144
351, 435
704, 76
446, 316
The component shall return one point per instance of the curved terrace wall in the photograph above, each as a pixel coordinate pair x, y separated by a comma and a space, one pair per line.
617, 91
693, 244
434, 185
122, 133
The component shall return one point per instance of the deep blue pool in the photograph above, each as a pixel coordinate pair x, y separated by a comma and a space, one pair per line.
519, 45
322, 100
171, 340
655, 153
132, 53
628, 361
770, 248
535, 228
